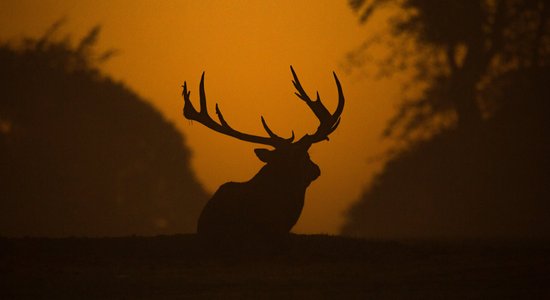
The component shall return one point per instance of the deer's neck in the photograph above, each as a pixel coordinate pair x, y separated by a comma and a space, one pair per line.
271, 180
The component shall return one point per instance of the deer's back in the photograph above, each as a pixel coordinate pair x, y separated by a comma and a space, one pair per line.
246, 208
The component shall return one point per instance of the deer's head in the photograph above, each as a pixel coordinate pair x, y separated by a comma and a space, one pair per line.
289, 159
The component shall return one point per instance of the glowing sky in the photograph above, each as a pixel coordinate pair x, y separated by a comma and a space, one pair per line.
246, 48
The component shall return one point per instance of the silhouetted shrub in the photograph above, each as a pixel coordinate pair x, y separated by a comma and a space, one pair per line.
490, 182
81, 154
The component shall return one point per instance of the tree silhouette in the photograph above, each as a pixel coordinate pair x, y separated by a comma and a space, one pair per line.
483, 170
82, 154
459, 48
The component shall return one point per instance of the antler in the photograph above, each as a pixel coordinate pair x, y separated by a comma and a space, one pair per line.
204, 118
328, 122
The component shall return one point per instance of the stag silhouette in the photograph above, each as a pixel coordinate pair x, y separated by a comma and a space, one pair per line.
271, 202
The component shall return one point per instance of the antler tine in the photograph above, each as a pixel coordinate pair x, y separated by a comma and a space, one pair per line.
316, 106
340, 107
273, 135
204, 118
328, 122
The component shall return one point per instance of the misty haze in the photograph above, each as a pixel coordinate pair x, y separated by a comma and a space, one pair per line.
403, 155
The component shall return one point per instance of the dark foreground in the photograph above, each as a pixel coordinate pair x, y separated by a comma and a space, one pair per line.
307, 267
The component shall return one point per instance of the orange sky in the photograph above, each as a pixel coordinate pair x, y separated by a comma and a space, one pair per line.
246, 48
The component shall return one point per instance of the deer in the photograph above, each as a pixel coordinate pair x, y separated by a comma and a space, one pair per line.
270, 203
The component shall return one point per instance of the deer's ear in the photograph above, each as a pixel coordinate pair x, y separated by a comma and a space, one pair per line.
264, 154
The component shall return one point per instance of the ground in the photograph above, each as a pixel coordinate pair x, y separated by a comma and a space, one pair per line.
307, 266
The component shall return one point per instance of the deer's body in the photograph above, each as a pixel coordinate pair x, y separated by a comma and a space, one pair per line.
269, 204
248, 209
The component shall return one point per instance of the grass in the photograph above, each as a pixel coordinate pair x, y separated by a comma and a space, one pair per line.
309, 266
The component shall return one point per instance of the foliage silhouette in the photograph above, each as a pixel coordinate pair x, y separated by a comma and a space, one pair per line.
485, 175
83, 155
458, 49
488, 183
269, 205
